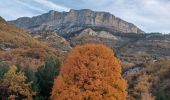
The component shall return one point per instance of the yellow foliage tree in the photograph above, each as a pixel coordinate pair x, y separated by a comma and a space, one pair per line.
14, 86
90, 72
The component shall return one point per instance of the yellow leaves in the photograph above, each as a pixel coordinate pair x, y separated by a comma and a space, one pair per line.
15, 84
92, 70
143, 85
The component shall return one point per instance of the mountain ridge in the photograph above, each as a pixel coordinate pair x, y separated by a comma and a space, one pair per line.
75, 20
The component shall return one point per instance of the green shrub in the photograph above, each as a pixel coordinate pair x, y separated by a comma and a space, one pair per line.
3, 69
46, 75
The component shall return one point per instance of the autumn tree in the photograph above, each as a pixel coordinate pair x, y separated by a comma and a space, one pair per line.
90, 72
143, 87
13, 86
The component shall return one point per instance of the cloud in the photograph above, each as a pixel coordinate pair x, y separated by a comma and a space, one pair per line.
29, 6
14, 9
51, 5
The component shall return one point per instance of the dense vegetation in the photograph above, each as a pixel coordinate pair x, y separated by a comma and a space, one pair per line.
151, 82
17, 83
26, 73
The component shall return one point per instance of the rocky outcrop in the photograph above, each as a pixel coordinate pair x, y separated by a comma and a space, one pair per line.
75, 20
107, 35
53, 39
100, 34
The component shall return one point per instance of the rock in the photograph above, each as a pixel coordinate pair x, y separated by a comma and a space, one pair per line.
107, 35
75, 20
87, 32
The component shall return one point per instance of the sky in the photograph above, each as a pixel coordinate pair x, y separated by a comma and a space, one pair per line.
148, 15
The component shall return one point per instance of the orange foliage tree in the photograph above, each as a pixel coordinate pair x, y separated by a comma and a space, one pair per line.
90, 72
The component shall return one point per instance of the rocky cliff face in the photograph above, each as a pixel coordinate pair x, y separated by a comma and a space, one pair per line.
75, 20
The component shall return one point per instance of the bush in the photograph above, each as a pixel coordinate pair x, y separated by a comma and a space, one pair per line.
30, 74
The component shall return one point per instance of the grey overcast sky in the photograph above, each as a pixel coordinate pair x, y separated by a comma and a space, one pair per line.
149, 15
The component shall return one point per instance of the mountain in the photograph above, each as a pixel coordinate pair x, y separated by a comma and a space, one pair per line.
73, 21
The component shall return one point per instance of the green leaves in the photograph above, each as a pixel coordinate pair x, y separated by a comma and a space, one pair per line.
3, 69
46, 75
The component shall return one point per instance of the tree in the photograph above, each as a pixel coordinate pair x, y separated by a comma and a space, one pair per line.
3, 69
46, 75
30, 74
90, 72
14, 86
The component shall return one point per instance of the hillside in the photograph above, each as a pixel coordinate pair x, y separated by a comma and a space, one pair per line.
151, 82
67, 23
17, 46
53, 40
130, 48
12, 37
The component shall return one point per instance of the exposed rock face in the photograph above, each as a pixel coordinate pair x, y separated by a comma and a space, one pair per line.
100, 34
107, 35
90, 36
87, 32
75, 20
53, 39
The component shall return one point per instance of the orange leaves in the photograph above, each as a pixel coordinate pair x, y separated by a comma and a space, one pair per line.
90, 72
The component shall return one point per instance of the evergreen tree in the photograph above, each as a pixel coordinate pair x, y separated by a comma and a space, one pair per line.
46, 75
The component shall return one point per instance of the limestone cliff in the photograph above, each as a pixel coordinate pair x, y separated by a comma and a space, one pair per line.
76, 20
